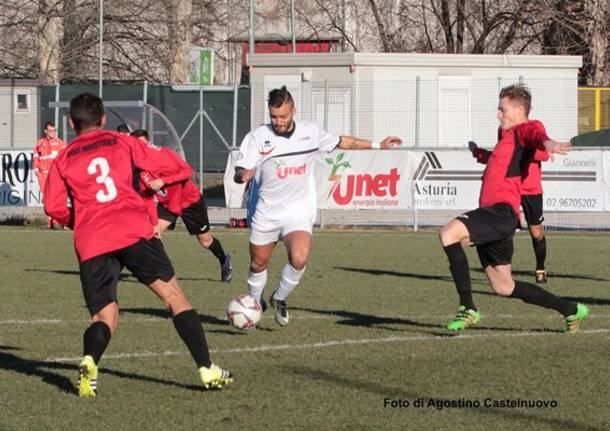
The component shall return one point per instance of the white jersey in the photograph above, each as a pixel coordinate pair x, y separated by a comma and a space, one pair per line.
284, 167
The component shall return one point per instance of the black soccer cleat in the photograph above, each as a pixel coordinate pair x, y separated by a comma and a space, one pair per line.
263, 304
281, 311
226, 269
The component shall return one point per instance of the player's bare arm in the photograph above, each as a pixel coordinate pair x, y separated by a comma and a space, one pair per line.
554, 147
353, 143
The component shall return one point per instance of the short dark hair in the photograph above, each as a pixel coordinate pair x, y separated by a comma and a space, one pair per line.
519, 93
280, 96
47, 124
139, 133
123, 128
86, 110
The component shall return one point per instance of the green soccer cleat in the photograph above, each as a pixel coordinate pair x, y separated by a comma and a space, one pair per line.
215, 377
87, 378
463, 319
573, 322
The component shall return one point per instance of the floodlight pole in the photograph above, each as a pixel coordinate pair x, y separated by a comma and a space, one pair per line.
101, 53
201, 138
294, 39
251, 31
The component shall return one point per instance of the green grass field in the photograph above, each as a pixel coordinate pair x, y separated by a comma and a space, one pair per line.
367, 324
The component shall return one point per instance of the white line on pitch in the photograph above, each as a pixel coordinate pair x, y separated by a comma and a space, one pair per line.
322, 344
292, 316
321, 232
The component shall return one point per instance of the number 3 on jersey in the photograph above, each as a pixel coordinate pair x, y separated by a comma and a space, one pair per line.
109, 193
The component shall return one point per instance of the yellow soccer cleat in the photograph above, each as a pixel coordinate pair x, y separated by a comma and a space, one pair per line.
87, 378
215, 377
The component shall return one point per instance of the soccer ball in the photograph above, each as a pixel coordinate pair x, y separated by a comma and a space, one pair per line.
244, 312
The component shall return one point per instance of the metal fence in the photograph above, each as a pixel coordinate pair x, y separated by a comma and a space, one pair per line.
439, 113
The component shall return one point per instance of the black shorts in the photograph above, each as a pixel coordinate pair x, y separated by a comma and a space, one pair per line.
194, 217
491, 230
532, 209
99, 276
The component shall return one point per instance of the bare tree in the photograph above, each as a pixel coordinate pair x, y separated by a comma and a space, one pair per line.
50, 28
597, 34
150, 39
179, 33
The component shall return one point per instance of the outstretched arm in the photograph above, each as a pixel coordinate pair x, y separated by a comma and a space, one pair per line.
478, 153
353, 143
554, 147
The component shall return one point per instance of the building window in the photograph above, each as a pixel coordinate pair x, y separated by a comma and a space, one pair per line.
22, 102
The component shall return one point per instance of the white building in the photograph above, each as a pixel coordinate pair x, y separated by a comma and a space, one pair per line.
19, 113
429, 100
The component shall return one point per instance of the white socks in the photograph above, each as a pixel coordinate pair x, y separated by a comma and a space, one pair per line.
290, 279
257, 283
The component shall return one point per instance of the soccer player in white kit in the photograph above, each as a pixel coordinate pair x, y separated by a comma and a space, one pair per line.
282, 155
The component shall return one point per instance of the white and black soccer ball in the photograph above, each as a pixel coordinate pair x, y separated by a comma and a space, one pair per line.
244, 312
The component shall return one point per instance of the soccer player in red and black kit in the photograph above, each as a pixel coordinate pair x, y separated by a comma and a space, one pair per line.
112, 230
531, 200
491, 226
178, 196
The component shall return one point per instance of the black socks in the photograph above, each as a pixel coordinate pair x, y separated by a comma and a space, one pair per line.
95, 340
458, 265
190, 330
540, 252
216, 248
533, 294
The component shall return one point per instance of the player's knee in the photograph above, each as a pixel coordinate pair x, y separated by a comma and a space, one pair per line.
537, 234
298, 262
257, 267
504, 289
205, 239
174, 299
447, 235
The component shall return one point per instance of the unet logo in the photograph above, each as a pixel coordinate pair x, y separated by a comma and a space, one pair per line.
359, 185
283, 171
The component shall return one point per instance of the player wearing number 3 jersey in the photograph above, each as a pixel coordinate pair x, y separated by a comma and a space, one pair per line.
90, 189
107, 212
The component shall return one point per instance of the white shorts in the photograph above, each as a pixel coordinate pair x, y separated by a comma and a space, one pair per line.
264, 231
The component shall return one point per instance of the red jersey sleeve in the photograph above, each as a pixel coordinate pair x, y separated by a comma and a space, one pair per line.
532, 134
541, 156
55, 198
37, 157
148, 157
185, 171
151, 208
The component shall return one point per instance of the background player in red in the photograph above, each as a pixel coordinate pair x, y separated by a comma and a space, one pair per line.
491, 226
46, 150
178, 196
531, 201
112, 229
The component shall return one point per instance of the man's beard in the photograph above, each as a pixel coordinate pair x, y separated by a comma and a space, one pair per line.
288, 128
